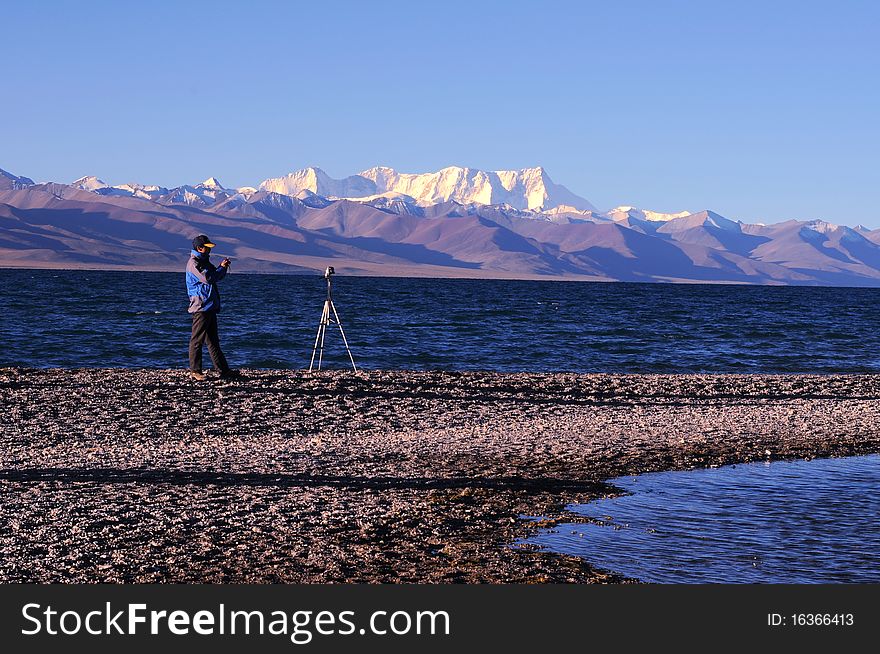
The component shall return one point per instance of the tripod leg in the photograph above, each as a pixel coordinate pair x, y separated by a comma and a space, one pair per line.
341, 331
325, 320
321, 327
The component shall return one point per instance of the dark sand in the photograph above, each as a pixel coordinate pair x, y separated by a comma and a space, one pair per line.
147, 476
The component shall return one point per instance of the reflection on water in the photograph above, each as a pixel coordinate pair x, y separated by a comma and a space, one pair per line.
781, 522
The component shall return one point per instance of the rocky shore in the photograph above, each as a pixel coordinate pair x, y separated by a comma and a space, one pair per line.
148, 476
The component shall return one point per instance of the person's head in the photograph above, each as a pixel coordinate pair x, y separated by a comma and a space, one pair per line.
202, 244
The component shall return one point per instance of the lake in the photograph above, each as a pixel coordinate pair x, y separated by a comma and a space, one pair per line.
133, 319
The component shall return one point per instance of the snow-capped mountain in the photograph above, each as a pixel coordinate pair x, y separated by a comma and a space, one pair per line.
99, 186
9, 182
318, 182
823, 227
204, 194
456, 221
147, 192
624, 212
89, 183
700, 219
528, 193
528, 188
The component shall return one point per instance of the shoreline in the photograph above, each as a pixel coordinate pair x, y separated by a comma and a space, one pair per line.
142, 475
428, 272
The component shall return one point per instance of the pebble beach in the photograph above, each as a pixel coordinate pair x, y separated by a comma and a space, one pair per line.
145, 476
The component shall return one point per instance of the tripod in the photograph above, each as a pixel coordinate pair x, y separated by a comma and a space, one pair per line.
322, 327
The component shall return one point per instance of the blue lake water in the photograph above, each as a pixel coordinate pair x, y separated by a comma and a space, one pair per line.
131, 319
781, 522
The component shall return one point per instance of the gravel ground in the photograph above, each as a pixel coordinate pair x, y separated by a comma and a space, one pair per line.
148, 476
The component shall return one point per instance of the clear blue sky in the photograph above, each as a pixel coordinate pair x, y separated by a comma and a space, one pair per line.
758, 110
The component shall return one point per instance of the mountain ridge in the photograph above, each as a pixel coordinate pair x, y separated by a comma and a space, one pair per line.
424, 232
526, 188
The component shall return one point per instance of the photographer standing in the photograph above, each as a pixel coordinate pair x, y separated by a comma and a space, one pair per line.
204, 305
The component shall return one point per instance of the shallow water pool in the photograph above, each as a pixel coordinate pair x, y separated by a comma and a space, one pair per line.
781, 522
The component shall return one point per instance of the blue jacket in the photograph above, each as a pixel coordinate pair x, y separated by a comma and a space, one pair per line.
201, 283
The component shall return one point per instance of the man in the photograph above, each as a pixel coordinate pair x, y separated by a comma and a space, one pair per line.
204, 305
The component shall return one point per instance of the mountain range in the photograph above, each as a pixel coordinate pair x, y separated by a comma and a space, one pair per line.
456, 222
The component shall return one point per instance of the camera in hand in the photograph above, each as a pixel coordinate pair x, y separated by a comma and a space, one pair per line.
329, 271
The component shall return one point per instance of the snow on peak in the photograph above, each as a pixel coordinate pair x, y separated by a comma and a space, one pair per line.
624, 212
463, 185
89, 183
318, 182
212, 182
99, 186
200, 195
657, 216
132, 189
713, 219
387, 195
145, 191
8, 181
821, 226
528, 188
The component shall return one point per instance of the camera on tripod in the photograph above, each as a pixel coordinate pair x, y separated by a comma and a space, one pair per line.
326, 320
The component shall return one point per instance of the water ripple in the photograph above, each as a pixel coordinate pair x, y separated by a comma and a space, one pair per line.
97, 319
782, 522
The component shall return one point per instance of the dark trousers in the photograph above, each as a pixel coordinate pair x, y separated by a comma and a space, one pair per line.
204, 329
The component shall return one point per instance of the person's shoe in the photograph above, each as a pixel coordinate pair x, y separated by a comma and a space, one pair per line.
198, 375
230, 374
